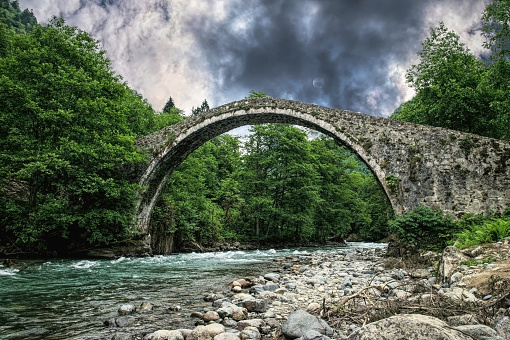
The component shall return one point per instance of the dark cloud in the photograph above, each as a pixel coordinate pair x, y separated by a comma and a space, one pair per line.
220, 50
352, 45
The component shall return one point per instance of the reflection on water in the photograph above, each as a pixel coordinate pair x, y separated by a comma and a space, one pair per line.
60, 299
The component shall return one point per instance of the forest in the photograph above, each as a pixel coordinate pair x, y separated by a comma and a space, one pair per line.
68, 160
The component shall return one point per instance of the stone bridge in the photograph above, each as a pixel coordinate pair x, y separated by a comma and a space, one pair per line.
415, 164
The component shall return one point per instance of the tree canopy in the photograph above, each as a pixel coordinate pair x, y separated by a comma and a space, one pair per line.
67, 131
280, 184
457, 90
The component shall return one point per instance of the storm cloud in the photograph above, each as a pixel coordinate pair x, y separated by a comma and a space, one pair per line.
357, 51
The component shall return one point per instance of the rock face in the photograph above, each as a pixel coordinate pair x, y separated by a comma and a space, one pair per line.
301, 322
414, 326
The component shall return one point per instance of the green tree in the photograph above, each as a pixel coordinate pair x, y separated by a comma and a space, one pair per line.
12, 16
169, 105
67, 131
424, 229
496, 28
446, 81
202, 108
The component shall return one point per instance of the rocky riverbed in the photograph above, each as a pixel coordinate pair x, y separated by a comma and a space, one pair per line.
348, 294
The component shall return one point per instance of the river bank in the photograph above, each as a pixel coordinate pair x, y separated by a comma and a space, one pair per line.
361, 294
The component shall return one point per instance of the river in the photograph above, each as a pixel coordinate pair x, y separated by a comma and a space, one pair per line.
70, 298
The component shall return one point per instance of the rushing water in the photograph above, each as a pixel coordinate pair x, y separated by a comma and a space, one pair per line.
65, 298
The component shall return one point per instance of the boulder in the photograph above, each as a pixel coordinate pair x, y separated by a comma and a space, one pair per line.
199, 333
239, 313
464, 319
227, 336
313, 307
257, 305
479, 331
250, 333
214, 329
211, 316
272, 277
314, 335
257, 323
226, 309
164, 335
451, 259
145, 307
126, 309
502, 326
408, 326
300, 321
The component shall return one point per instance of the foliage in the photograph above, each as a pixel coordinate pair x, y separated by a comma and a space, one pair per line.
67, 131
496, 28
489, 230
446, 82
202, 108
423, 228
454, 89
257, 94
12, 16
169, 105
282, 187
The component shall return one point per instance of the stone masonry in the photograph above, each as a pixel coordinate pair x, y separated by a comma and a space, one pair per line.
415, 164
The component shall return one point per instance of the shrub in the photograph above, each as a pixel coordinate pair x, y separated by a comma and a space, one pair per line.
423, 228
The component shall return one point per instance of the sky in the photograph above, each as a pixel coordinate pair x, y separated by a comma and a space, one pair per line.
347, 54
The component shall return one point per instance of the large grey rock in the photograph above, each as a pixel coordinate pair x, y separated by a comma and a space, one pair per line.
250, 333
300, 322
451, 259
272, 277
479, 331
314, 335
227, 336
502, 326
164, 334
199, 333
126, 309
257, 289
257, 305
413, 326
464, 319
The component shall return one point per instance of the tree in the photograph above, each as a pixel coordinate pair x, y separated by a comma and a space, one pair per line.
12, 16
446, 81
67, 131
203, 108
168, 106
496, 29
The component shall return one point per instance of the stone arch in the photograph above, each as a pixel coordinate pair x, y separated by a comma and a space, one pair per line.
415, 164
